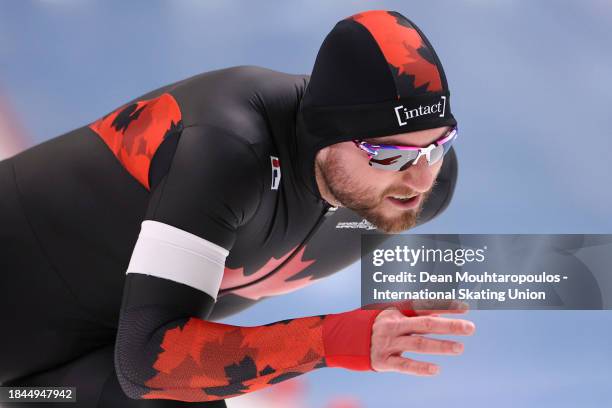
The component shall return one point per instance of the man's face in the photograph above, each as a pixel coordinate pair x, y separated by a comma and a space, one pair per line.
377, 194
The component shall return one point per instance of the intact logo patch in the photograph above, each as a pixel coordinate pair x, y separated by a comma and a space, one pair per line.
404, 114
276, 173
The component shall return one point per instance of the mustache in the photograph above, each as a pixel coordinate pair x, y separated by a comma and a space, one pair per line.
397, 192
394, 190
405, 191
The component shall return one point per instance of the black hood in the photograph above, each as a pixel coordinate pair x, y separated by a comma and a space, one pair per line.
375, 74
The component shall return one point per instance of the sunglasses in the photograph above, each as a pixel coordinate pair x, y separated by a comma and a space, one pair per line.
398, 158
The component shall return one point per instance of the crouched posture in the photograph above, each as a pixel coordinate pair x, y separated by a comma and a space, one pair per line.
213, 193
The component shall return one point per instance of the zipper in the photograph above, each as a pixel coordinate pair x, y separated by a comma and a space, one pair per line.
328, 210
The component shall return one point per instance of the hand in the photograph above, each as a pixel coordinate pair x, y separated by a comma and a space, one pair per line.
394, 333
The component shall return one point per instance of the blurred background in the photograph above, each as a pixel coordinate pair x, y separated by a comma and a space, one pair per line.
530, 82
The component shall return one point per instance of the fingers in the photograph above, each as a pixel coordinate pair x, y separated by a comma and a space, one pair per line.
439, 312
393, 334
429, 307
409, 366
425, 307
435, 325
411, 308
424, 345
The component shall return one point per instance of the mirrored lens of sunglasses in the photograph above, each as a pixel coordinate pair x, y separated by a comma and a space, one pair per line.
447, 145
436, 154
393, 159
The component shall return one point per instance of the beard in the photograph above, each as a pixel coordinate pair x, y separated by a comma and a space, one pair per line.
365, 200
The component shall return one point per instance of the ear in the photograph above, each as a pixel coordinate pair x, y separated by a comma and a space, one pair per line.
443, 191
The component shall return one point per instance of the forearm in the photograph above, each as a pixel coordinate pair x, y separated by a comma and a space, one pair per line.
197, 360
191, 359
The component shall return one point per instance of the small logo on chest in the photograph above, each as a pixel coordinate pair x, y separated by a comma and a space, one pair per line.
276, 173
364, 224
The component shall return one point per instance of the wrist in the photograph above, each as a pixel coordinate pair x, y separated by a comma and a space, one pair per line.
347, 339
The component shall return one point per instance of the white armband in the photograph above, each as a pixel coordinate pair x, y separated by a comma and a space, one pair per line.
171, 253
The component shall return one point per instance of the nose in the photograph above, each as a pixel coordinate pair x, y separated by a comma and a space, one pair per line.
420, 176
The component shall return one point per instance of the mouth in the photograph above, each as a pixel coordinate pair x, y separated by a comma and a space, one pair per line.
405, 201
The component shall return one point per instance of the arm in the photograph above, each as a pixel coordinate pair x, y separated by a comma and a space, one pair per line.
165, 348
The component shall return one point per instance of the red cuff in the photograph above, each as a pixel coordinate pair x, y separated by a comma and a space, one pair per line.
347, 338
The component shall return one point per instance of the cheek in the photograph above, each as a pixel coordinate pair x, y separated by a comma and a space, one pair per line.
362, 176
435, 169
376, 181
352, 160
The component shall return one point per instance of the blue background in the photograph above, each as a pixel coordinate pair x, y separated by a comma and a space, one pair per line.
531, 86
